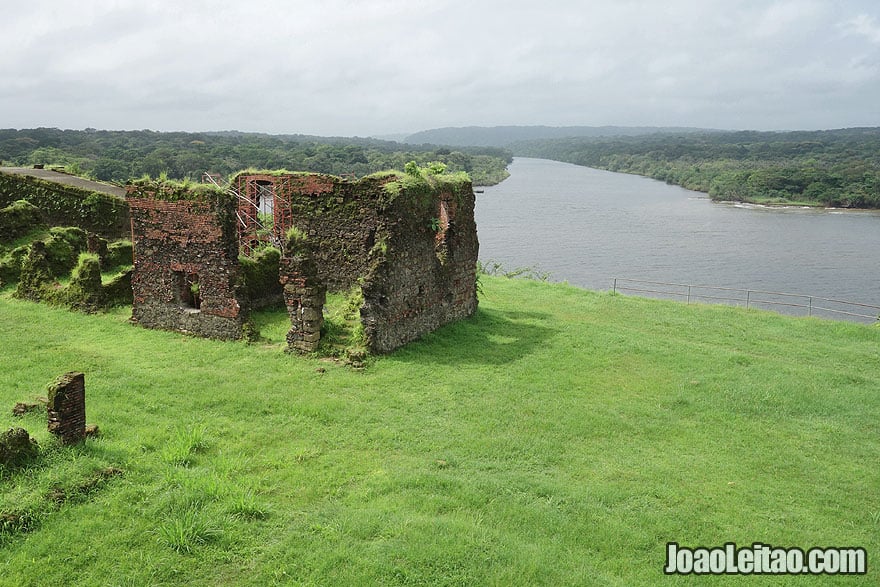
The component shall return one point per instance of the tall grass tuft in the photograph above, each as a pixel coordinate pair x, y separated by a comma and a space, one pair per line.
186, 530
184, 445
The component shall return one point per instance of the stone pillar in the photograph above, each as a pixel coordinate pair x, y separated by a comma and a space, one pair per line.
67, 407
304, 296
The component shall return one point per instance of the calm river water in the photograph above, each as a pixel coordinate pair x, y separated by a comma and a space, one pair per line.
587, 226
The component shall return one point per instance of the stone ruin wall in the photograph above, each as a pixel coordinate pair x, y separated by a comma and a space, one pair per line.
422, 278
428, 276
340, 220
177, 244
413, 255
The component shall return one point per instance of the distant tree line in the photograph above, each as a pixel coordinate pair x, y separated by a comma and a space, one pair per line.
839, 168
122, 155
504, 136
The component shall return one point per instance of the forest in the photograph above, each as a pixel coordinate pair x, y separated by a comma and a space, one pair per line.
833, 168
122, 155
504, 136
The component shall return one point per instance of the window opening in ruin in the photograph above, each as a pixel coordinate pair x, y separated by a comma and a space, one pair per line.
264, 202
186, 290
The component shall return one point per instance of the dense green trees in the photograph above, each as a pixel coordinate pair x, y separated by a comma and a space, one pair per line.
122, 155
838, 168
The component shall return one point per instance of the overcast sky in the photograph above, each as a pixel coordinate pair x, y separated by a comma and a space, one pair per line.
374, 67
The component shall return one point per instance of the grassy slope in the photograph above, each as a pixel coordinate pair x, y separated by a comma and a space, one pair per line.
560, 437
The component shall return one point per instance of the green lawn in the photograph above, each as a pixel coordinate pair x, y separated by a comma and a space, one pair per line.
560, 437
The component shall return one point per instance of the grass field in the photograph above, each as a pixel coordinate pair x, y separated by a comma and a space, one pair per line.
560, 437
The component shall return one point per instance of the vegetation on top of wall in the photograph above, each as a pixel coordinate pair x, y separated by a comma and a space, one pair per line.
295, 240
174, 191
277, 173
421, 183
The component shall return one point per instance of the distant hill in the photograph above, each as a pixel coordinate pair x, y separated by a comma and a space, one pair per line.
503, 136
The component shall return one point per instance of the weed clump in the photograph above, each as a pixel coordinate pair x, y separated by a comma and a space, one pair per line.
186, 530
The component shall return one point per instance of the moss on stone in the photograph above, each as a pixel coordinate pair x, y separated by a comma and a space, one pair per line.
296, 241
10, 265
64, 205
75, 236
175, 191
17, 219
117, 291
35, 275
84, 292
62, 249
17, 448
120, 253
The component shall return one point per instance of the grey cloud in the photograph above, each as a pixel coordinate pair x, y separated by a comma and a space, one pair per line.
373, 67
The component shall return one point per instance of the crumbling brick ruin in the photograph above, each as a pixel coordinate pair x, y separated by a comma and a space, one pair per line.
185, 261
67, 407
407, 241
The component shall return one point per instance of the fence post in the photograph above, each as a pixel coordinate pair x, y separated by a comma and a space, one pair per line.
689, 295
811, 306
614, 287
748, 298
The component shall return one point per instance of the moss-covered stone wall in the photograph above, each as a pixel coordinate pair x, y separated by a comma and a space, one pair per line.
409, 240
18, 219
65, 205
426, 276
186, 266
341, 220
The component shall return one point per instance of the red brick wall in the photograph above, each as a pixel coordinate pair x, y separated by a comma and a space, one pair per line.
67, 407
179, 241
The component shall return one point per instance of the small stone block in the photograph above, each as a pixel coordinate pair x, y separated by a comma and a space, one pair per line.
309, 314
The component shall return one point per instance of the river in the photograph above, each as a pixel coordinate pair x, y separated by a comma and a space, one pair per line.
587, 226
